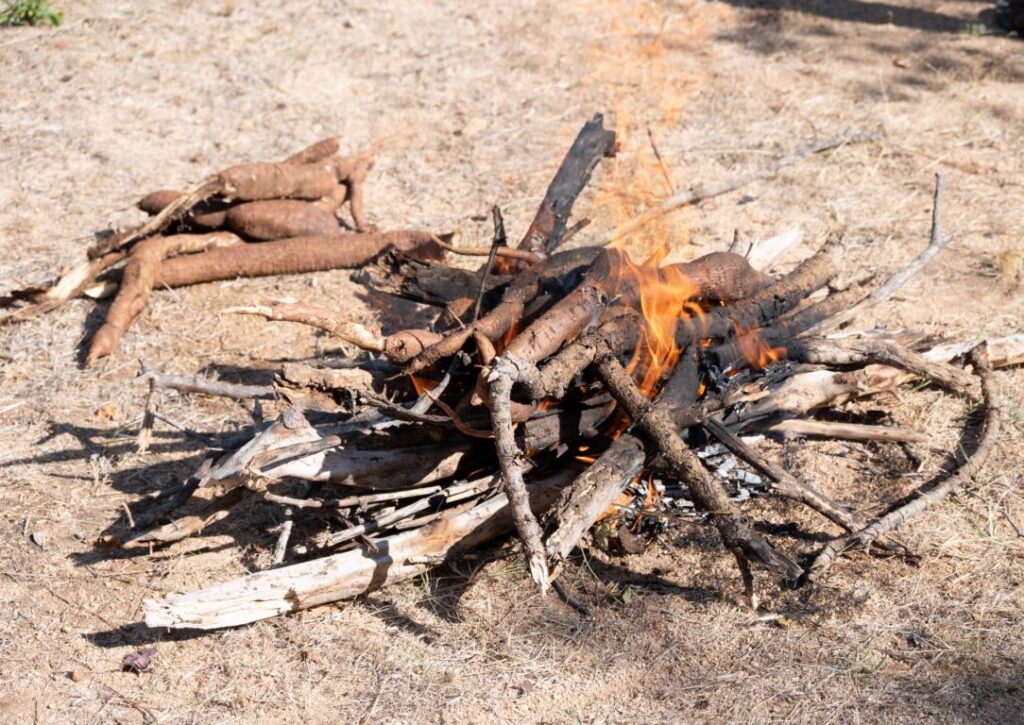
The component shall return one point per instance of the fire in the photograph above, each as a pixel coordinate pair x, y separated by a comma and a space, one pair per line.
756, 351
421, 384
667, 297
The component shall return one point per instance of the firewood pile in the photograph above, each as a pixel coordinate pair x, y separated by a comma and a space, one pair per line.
558, 385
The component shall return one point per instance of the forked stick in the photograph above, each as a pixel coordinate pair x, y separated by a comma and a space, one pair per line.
924, 499
700, 193
937, 241
738, 536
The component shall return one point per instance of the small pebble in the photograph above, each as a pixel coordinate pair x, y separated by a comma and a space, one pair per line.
38, 538
77, 676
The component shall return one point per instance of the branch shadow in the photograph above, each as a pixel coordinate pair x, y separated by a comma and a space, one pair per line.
863, 11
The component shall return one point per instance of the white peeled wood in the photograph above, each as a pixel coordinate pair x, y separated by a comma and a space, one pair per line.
349, 574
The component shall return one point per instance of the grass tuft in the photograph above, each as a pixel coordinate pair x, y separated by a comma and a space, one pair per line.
30, 12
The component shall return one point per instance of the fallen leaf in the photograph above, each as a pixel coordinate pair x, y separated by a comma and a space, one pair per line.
627, 595
107, 411
139, 660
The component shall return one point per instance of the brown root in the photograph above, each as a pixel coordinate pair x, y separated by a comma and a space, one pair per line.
399, 346
292, 256
137, 283
280, 219
323, 149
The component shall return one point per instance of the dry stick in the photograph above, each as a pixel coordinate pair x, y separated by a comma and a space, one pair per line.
145, 435
847, 431
205, 386
350, 501
351, 573
864, 351
400, 346
507, 252
786, 484
451, 494
1002, 351
701, 193
511, 462
281, 547
739, 538
937, 241
499, 242
806, 391
924, 499
186, 526
70, 285
547, 230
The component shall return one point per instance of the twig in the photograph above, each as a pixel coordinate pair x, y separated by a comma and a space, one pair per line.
205, 386
481, 251
661, 162
937, 241
935, 244
450, 494
569, 599
924, 499
500, 240
510, 460
786, 484
281, 548
699, 194
847, 431
145, 436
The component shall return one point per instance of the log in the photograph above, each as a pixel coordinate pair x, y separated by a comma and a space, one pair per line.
548, 227
349, 574
596, 488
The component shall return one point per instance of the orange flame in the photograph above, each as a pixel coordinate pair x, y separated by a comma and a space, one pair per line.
667, 296
756, 351
421, 384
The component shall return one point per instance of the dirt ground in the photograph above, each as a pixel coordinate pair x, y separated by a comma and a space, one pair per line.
477, 102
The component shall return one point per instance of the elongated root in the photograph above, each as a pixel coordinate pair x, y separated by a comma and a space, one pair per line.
399, 346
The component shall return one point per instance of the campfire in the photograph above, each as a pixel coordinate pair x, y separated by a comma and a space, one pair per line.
557, 386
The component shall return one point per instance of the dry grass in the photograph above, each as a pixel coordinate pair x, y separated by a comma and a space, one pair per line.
480, 100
